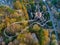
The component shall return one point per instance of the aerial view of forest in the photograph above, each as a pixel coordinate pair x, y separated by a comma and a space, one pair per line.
29, 22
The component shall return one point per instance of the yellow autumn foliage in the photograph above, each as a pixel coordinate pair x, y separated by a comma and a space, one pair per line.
16, 27
25, 13
1, 14
12, 20
7, 21
22, 44
46, 33
26, 38
17, 5
15, 14
25, 23
53, 36
36, 27
2, 25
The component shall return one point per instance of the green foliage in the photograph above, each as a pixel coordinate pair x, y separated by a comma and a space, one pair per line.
54, 1
10, 10
49, 23
41, 3
0, 30
6, 40
2, 26
40, 36
2, 6
14, 0
47, 16
33, 7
